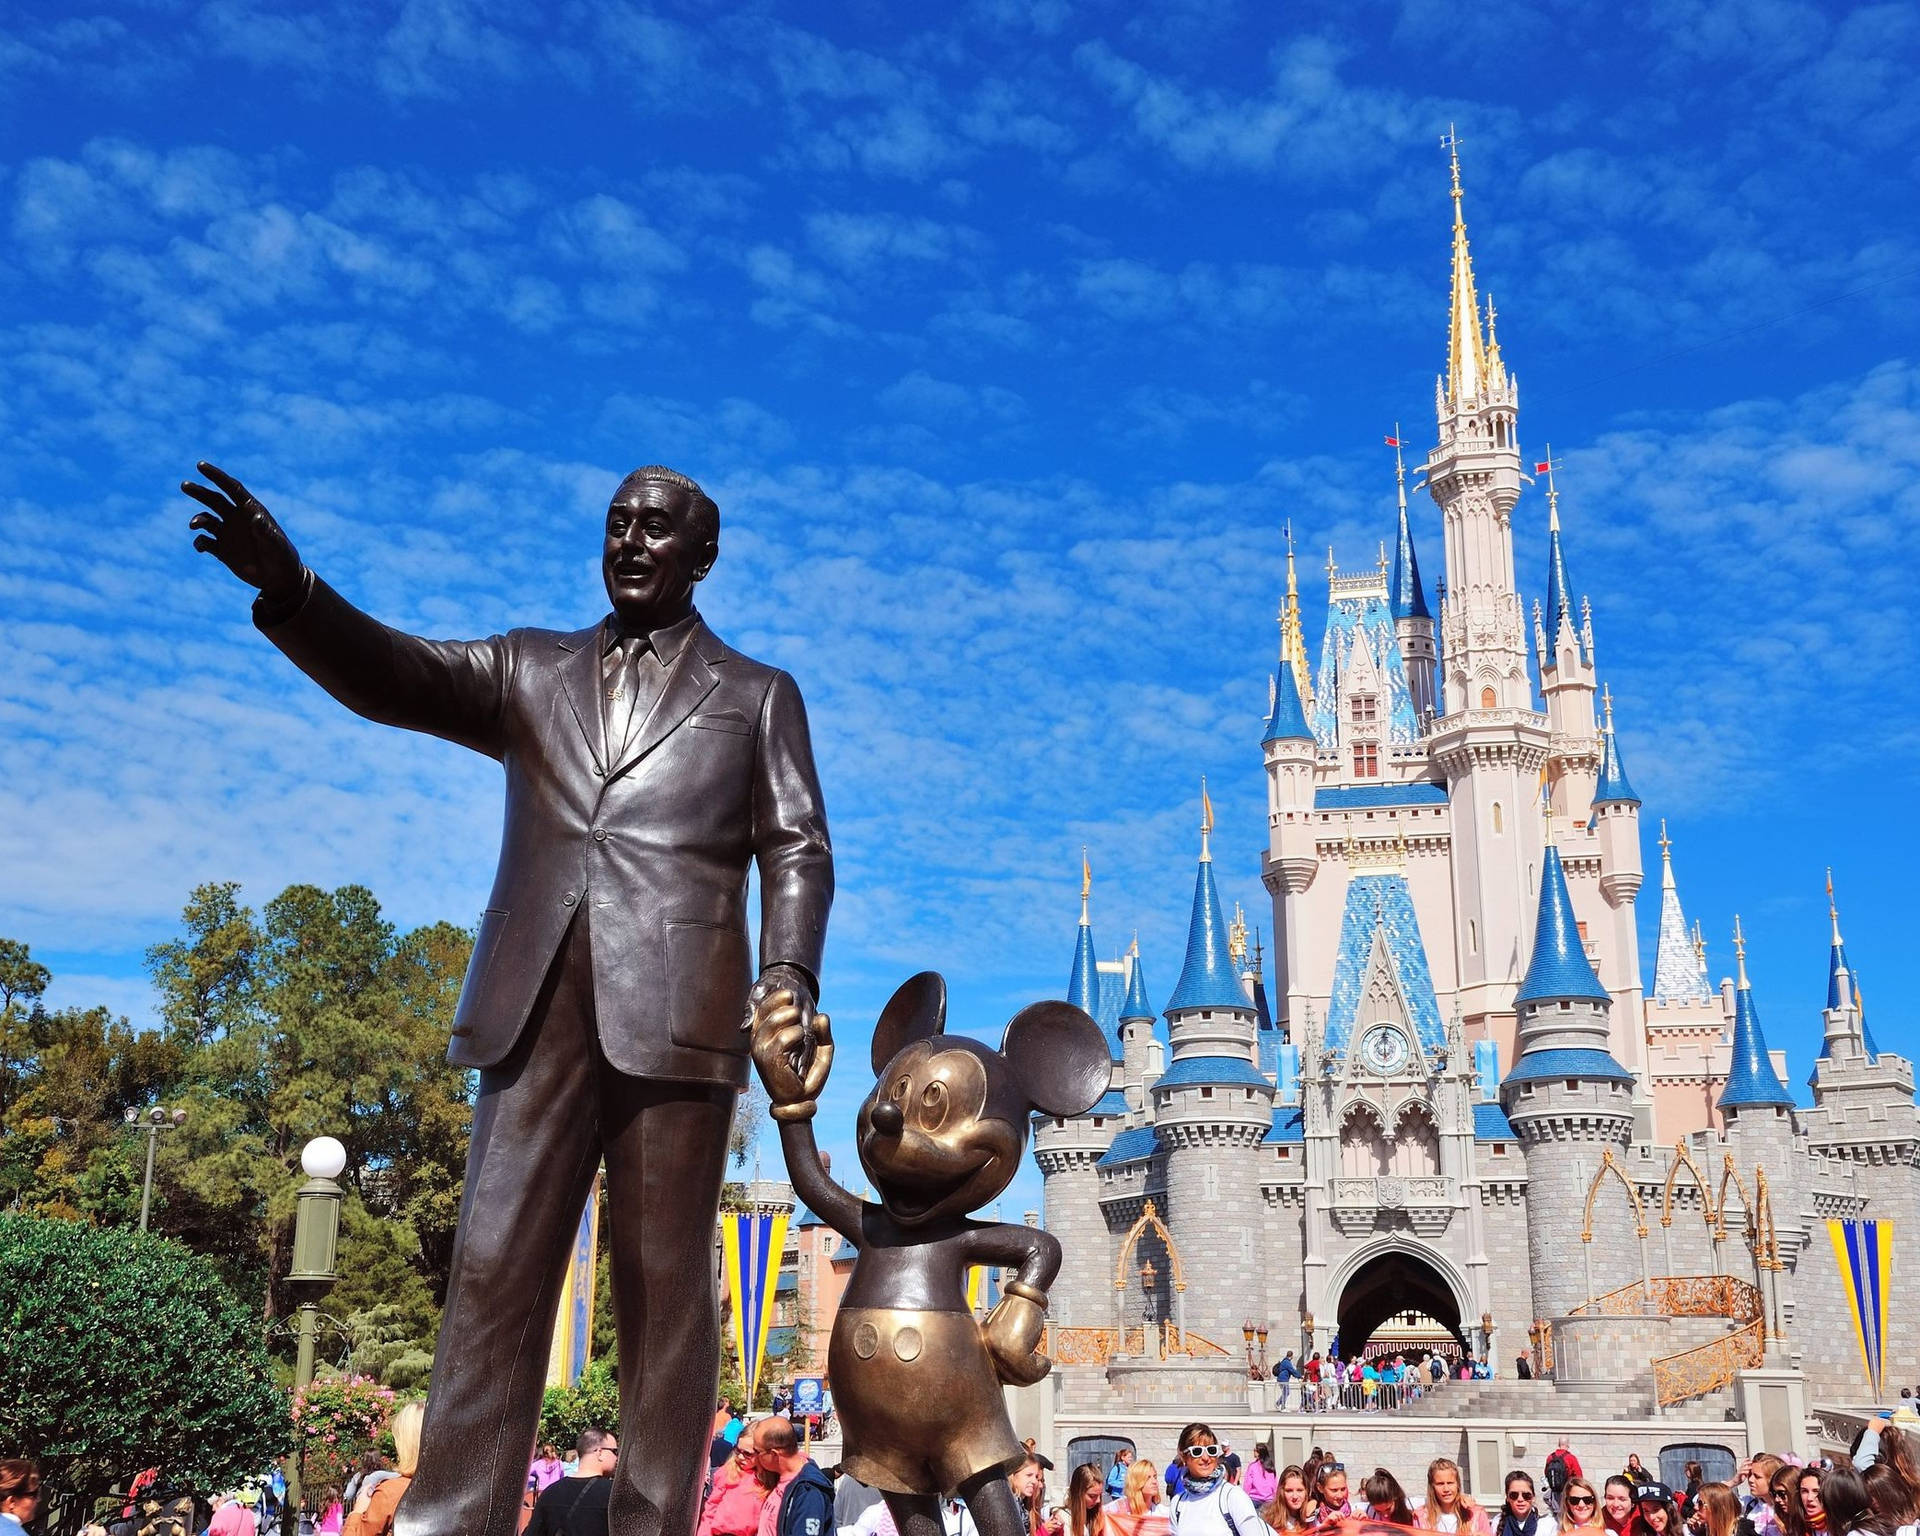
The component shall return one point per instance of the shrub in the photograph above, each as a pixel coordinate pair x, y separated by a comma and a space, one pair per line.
126, 1351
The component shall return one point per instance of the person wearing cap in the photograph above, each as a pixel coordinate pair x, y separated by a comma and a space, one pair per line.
1654, 1510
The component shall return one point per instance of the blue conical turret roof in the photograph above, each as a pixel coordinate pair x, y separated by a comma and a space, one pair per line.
1839, 976
1288, 722
1406, 596
1207, 978
1136, 1005
1083, 986
1613, 788
1559, 967
1751, 1080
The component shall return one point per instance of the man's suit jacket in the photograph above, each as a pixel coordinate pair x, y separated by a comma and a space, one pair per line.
656, 845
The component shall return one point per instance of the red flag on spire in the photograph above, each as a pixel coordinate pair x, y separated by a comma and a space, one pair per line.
1542, 467
1393, 442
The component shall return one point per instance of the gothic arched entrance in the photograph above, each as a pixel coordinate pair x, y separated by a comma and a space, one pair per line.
1398, 1285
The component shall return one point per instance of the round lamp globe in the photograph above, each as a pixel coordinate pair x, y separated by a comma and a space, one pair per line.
323, 1158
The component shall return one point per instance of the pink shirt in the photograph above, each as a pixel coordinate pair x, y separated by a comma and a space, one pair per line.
770, 1511
233, 1519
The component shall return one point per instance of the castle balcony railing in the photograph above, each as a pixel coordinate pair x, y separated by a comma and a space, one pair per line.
1096, 1346
1681, 1296
1425, 1199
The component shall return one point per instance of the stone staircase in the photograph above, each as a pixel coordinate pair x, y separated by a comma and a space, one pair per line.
1554, 1403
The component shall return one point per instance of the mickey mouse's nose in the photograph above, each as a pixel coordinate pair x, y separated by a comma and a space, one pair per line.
887, 1119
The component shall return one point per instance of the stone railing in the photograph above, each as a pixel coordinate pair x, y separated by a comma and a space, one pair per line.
1425, 1199
1681, 1296
1696, 1372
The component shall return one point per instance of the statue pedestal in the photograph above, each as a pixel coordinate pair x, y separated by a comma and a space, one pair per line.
1772, 1400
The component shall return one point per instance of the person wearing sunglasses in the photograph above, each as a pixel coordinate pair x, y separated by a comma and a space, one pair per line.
1520, 1513
1580, 1509
1207, 1503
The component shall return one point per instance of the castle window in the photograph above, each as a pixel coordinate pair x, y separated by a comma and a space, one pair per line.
1499, 1149
1473, 937
1366, 760
1206, 1093
1059, 1125
1098, 1121
1583, 930
1499, 820
1488, 698
1565, 1006
1365, 710
1574, 1084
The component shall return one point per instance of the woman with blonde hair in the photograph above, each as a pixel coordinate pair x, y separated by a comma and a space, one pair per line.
1580, 1509
1714, 1510
1447, 1508
373, 1512
1137, 1511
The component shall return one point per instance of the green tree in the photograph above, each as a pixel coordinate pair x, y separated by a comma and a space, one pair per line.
22, 981
124, 1351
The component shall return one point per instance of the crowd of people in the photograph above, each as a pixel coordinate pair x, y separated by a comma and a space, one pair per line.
1328, 1384
763, 1482
1207, 1491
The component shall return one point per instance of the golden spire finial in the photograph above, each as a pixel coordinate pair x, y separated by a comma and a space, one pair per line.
1206, 823
1546, 806
1293, 640
1086, 884
1833, 908
1666, 843
1606, 705
1133, 949
1739, 950
1237, 936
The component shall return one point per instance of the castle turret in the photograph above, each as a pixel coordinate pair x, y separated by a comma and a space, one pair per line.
1614, 820
1212, 1108
1490, 744
1754, 1090
1568, 1099
1679, 975
1067, 1151
1136, 1037
1844, 1018
1565, 642
1407, 596
1292, 859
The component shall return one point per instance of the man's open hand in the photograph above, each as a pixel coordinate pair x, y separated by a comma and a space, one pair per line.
242, 535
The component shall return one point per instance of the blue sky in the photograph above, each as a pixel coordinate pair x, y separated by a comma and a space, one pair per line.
1007, 337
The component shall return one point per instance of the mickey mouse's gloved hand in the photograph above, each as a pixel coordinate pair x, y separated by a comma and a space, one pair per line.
792, 1075
1012, 1331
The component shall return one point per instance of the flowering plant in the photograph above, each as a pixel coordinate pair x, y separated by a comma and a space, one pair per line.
335, 1423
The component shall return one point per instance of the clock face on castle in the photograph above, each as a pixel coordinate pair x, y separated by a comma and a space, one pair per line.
1384, 1049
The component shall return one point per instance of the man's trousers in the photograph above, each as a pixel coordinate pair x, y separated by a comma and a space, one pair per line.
543, 1120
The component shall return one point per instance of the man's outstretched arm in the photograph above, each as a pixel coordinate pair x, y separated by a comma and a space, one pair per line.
791, 846
452, 689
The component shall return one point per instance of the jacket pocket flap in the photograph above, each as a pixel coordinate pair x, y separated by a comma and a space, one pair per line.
728, 720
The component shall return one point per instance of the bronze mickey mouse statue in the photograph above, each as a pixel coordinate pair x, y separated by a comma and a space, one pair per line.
916, 1379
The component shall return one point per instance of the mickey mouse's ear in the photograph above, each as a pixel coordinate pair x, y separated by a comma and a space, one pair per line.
1059, 1057
917, 1011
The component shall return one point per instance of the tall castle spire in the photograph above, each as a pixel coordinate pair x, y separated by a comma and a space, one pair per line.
1407, 598
1612, 786
1846, 1010
1679, 976
1751, 1080
1466, 346
1293, 640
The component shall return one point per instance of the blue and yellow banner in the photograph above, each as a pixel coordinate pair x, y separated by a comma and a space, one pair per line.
750, 1247
573, 1328
1864, 1252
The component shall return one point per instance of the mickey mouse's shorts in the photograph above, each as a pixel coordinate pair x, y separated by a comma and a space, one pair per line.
920, 1406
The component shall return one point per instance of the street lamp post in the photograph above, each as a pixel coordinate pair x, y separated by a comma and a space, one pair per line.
157, 1120
316, 1242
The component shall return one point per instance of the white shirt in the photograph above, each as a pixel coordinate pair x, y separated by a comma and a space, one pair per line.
1223, 1510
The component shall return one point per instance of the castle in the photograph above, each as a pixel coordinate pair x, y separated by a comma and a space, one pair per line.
1465, 1121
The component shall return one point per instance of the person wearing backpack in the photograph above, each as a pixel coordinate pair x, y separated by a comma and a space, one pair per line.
1207, 1502
1562, 1467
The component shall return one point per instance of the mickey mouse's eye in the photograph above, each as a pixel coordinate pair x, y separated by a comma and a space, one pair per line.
901, 1089
933, 1106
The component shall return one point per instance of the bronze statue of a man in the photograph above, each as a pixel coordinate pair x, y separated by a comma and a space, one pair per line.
606, 1004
